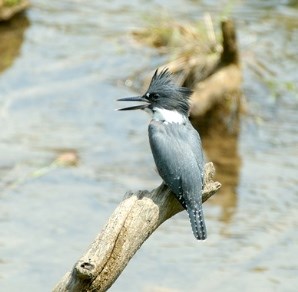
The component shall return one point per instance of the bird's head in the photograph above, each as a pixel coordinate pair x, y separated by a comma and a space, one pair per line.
162, 93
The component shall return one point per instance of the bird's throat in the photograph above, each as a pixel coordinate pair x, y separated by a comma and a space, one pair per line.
168, 116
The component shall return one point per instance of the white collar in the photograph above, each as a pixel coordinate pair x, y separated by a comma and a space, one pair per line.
168, 116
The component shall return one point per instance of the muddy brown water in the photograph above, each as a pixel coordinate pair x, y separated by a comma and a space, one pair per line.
66, 62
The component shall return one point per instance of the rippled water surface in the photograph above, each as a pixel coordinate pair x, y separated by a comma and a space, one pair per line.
62, 67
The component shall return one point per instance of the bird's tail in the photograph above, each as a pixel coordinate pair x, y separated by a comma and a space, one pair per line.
196, 217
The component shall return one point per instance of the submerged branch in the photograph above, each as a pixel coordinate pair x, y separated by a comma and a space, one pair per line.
133, 221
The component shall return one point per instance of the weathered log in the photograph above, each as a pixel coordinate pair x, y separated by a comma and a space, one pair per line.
133, 221
221, 80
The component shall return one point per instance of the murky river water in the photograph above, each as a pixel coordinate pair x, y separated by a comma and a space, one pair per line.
62, 72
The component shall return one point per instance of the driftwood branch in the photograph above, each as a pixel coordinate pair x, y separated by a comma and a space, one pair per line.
221, 80
133, 221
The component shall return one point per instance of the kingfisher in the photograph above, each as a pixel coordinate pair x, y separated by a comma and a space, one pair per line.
175, 144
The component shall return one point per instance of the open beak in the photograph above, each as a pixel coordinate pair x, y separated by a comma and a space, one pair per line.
136, 98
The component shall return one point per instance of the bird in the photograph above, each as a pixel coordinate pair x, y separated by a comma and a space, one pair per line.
176, 146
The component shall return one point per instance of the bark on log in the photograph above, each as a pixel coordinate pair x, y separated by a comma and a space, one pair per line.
133, 221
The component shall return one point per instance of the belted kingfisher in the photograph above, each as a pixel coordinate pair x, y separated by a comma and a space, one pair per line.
175, 144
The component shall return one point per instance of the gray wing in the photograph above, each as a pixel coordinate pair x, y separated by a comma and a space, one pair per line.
178, 157
195, 143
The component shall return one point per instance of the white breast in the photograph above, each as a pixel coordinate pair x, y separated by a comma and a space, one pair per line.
161, 114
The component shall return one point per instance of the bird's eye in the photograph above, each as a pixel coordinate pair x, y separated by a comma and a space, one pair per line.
152, 96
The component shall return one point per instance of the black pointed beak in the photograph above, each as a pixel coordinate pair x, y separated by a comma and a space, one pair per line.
136, 98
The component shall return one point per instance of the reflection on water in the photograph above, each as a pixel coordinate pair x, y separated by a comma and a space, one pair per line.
11, 39
220, 132
60, 94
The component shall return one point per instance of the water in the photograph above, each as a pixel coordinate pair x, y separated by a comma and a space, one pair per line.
64, 69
